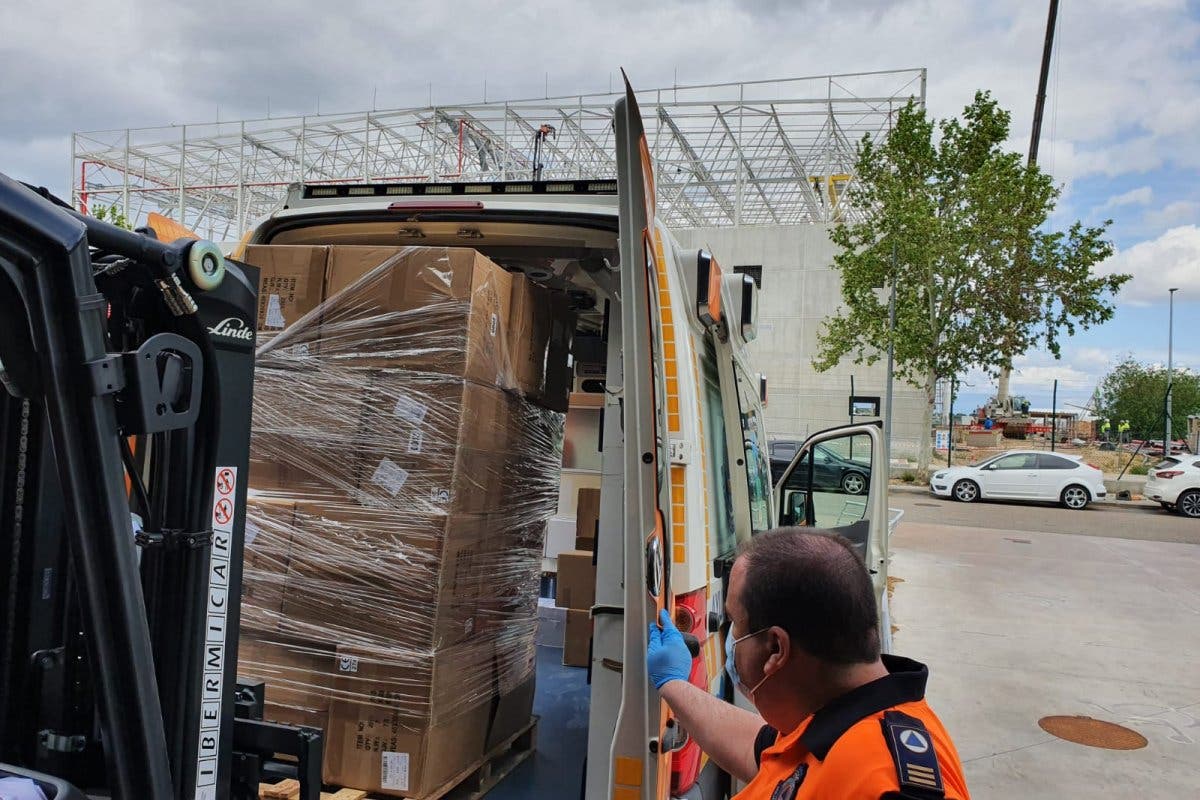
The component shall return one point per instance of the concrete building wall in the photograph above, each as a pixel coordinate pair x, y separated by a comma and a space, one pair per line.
800, 289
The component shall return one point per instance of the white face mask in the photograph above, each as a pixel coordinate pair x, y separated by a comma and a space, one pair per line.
731, 666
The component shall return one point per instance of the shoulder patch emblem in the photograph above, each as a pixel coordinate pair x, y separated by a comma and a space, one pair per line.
912, 752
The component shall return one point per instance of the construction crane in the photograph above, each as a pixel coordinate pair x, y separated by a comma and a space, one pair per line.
1039, 106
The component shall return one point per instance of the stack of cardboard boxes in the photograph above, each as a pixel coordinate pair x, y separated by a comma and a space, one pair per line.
576, 581
405, 459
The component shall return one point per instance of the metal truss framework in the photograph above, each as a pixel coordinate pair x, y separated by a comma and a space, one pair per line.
765, 152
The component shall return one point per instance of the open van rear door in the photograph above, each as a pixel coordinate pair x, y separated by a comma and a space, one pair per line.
625, 758
838, 482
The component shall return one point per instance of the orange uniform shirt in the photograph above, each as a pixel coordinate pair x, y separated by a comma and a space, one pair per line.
881, 740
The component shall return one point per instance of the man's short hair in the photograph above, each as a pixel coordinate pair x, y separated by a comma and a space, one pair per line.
814, 586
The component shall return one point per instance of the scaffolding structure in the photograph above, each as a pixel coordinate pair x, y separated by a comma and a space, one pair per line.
766, 152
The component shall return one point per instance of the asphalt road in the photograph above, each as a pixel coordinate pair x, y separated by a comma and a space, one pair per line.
1113, 519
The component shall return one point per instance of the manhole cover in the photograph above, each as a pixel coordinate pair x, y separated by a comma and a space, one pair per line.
1093, 732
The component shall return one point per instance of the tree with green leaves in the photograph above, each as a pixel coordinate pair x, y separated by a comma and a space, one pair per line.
112, 215
1137, 392
958, 226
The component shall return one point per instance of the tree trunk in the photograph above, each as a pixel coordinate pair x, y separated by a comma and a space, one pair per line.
925, 449
1002, 387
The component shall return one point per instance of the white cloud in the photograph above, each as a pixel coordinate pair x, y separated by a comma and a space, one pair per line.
1141, 196
1090, 359
1034, 373
1176, 213
1171, 260
1111, 57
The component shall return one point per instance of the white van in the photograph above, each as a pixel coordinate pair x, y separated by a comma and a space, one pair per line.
685, 473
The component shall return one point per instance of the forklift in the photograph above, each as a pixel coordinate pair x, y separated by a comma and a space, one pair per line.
127, 366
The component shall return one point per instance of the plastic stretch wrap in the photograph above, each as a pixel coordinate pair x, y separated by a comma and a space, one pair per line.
400, 487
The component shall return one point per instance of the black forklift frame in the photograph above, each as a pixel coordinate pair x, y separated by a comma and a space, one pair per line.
44, 257
162, 660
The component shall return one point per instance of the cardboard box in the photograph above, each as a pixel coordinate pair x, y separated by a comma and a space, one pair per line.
539, 341
305, 423
560, 537
587, 519
299, 675
577, 640
517, 685
402, 724
464, 299
576, 580
375, 577
265, 555
422, 415
291, 283
552, 623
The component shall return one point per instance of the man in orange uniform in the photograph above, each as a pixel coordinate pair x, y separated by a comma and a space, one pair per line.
838, 720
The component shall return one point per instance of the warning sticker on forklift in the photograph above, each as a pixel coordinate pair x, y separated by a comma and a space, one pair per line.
394, 772
213, 678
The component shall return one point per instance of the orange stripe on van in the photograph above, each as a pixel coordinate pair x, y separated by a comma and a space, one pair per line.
667, 320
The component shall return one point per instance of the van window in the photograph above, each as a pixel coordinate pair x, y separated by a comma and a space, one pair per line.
720, 502
754, 438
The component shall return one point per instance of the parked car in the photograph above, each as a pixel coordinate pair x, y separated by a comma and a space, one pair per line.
781, 452
1024, 475
831, 471
1175, 483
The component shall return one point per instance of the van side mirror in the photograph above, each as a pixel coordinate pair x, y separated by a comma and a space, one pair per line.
796, 512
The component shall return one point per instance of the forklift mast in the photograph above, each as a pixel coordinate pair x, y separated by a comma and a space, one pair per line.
127, 366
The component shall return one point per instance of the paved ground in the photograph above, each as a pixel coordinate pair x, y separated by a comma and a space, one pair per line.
1112, 519
1018, 623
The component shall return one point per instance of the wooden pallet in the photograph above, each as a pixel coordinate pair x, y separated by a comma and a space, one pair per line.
290, 790
471, 784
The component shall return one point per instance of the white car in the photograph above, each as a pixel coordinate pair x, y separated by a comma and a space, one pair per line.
1175, 483
1024, 475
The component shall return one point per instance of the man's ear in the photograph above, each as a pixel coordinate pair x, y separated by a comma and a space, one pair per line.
779, 645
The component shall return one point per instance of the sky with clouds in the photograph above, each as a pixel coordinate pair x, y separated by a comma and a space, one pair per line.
1119, 133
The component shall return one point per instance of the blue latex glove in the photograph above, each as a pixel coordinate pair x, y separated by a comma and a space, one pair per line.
667, 656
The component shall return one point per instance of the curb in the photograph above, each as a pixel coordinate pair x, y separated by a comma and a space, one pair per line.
1124, 505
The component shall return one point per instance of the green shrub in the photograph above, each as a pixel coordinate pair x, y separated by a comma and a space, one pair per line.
1139, 469
909, 477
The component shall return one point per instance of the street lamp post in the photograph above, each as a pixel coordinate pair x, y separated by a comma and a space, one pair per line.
1170, 354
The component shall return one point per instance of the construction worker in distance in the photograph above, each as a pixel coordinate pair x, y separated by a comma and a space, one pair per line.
835, 718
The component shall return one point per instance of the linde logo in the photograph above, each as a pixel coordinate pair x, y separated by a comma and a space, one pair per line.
233, 328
